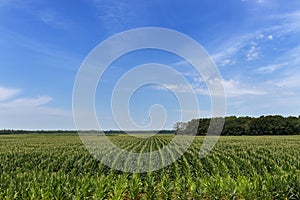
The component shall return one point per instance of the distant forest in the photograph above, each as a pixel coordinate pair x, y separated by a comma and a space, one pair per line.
264, 125
107, 132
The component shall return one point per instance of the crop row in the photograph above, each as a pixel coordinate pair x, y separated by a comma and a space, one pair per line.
60, 167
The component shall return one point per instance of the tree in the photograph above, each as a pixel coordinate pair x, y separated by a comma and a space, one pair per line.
263, 125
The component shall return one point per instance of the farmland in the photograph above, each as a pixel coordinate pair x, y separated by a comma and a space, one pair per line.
58, 166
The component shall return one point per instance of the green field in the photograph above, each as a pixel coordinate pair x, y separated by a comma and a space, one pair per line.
49, 166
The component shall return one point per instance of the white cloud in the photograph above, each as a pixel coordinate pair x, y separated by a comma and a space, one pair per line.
258, 1
228, 52
51, 17
270, 68
27, 102
252, 53
7, 93
227, 62
232, 88
181, 63
286, 23
260, 36
235, 88
173, 87
185, 68
292, 81
48, 16
31, 113
292, 56
115, 15
289, 77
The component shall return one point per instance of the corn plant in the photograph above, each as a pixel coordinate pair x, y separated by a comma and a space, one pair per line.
49, 166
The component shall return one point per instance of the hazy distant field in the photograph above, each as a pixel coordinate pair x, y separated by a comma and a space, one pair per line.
58, 166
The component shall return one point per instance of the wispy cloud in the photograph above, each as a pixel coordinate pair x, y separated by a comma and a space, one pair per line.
226, 53
7, 93
244, 47
34, 9
227, 62
232, 88
30, 112
27, 102
52, 18
271, 68
52, 54
257, 1
289, 63
229, 52
10, 100
292, 56
173, 87
288, 23
291, 81
115, 15
253, 53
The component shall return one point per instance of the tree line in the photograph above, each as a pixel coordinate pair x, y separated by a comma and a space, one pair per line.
106, 132
263, 125
13, 131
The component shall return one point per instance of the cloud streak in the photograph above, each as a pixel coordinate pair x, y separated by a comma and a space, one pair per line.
232, 88
52, 18
7, 93
115, 15
229, 52
270, 68
27, 102
31, 113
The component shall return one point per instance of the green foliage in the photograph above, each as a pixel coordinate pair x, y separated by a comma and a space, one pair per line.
47, 166
264, 125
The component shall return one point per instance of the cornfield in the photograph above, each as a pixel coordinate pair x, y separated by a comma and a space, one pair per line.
50, 166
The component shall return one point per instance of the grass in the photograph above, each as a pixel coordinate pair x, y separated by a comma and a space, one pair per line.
46, 166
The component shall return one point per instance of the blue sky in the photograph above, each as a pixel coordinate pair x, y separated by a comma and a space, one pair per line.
254, 43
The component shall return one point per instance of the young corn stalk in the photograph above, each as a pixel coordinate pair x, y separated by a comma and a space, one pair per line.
119, 187
101, 188
150, 187
166, 187
134, 187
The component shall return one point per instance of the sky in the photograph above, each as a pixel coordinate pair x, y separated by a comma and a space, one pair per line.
254, 43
